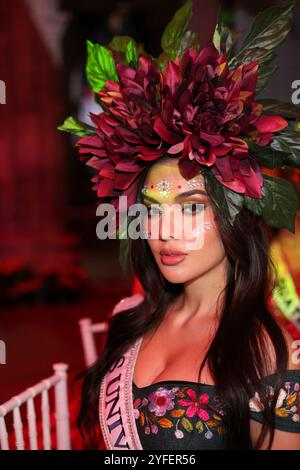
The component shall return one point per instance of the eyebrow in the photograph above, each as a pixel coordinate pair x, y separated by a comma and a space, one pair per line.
179, 196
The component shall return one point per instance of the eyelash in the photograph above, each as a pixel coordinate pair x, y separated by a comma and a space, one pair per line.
195, 209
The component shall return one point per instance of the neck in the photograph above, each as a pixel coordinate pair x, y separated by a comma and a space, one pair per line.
202, 297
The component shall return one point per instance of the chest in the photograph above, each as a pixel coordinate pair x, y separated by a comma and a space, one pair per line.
173, 354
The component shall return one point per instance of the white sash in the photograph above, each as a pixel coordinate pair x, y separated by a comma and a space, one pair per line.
116, 412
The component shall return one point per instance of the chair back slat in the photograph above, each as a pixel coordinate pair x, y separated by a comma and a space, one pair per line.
57, 382
3, 434
45, 409
18, 427
87, 331
31, 419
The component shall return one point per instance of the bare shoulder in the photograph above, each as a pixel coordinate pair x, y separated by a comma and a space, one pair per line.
127, 302
293, 349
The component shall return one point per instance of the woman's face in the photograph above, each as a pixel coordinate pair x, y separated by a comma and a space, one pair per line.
189, 229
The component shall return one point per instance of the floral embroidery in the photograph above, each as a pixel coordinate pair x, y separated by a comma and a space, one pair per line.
288, 401
179, 409
162, 400
195, 405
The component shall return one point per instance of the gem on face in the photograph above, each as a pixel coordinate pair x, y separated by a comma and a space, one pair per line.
195, 183
163, 186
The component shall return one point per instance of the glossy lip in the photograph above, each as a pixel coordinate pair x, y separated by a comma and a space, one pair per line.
171, 257
166, 252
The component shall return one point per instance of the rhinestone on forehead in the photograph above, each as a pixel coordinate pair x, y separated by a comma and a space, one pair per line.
164, 187
195, 183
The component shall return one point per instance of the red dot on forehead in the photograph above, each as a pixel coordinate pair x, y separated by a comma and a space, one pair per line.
152, 186
179, 186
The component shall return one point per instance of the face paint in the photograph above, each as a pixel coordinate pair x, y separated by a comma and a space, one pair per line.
195, 182
201, 228
163, 186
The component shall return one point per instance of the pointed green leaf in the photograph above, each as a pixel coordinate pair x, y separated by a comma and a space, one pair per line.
100, 66
255, 205
76, 127
281, 203
123, 254
122, 235
269, 29
199, 426
267, 156
186, 424
229, 202
265, 72
288, 141
287, 110
131, 54
119, 43
176, 29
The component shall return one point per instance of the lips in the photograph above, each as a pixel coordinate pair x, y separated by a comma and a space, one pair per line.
166, 252
171, 257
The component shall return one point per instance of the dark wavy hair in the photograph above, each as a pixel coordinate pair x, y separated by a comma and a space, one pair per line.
239, 354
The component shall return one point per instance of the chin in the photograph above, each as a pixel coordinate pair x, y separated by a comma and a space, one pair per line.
174, 276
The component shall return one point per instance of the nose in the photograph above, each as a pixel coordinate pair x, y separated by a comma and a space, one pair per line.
167, 224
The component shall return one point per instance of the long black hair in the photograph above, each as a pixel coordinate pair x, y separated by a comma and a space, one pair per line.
239, 354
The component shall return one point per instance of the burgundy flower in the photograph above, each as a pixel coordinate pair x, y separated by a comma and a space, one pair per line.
207, 112
125, 141
197, 110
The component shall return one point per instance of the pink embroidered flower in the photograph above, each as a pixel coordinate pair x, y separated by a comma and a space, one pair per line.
162, 400
195, 404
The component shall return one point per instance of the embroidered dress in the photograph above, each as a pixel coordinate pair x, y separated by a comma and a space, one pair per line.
180, 415
177, 415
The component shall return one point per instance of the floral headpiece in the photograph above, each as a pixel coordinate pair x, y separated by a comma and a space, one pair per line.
196, 104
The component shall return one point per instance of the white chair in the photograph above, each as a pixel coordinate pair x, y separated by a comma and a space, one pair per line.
87, 331
58, 381
88, 328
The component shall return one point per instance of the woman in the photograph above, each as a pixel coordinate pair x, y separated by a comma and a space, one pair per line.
198, 311
198, 362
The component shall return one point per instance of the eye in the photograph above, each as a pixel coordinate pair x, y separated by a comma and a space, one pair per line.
191, 208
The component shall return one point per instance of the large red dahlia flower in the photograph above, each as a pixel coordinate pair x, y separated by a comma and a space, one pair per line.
207, 112
196, 110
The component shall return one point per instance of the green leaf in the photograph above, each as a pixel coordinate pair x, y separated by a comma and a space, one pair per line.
255, 205
188, 40
287, 110
131, 54
269, 29
100, 66
288, 141
223, 34
186, 424
76, 127
268, 156
122, 235
119, 43
199, 426
175, 30
229, 202
265, 72
123, 254
281, 203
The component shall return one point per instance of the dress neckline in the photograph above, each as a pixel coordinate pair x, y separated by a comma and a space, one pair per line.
170, 382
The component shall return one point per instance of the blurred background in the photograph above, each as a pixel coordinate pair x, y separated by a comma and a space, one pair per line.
53, 268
